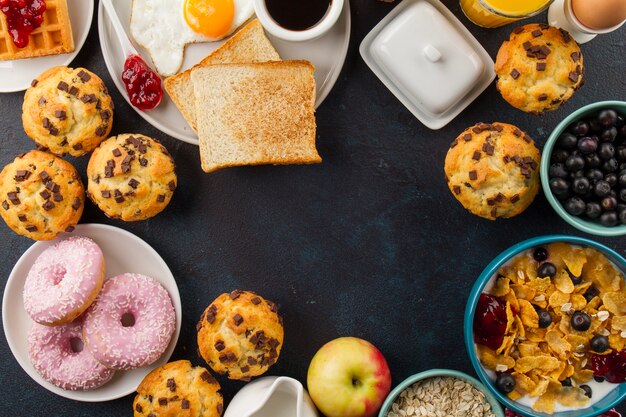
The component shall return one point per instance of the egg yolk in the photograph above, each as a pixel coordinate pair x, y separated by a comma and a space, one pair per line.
212, 18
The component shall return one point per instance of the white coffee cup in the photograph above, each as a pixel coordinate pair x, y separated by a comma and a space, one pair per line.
315, 31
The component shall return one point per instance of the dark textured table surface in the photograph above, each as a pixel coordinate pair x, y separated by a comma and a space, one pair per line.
370, 243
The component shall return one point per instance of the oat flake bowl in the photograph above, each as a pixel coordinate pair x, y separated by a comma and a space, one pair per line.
586, 272
440, 392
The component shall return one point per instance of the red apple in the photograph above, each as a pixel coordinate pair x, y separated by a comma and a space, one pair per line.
348, 377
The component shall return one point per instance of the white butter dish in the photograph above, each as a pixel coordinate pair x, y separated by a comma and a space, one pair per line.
428, 60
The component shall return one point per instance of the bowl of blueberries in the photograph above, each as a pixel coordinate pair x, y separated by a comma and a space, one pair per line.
583, 169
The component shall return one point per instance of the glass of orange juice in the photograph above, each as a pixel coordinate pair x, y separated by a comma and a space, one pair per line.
495, 13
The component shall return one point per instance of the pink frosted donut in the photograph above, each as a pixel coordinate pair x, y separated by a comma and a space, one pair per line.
131, 322
64, 280
57, 354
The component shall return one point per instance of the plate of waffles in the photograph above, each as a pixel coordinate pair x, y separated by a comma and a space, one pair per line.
55, 42
327, 53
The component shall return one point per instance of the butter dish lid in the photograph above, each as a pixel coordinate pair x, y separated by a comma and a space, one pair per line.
428, 60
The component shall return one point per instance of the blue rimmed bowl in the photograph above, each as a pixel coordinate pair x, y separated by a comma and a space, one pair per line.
433, 373
610, 400
585, 225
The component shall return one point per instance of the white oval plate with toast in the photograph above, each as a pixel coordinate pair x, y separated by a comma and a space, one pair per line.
327, 53
123, 252
16, 75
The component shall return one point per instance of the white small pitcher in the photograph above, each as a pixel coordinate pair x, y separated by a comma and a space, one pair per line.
272, 396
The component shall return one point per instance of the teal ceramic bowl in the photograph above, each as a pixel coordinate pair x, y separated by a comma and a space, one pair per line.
588, 226
495, 406
609, 401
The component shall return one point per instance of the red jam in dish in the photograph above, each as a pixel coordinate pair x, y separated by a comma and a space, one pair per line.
611, 367
23, 16
143, 85
490, 321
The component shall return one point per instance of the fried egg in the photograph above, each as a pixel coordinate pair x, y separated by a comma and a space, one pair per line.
164, 27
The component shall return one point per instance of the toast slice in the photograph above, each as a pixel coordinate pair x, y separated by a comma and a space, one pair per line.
248, 45
255, 113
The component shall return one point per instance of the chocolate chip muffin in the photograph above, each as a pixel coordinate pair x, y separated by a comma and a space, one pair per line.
131, 177
41, 195
493, 170
240, 334
177, 389
67, 111
539, 68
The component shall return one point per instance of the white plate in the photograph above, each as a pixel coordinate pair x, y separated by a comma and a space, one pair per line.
327, 53
17, 75
123, 252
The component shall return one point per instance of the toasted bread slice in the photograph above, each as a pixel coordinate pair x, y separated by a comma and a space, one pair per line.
248, 45
256, 113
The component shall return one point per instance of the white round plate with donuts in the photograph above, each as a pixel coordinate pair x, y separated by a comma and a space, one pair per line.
123, 252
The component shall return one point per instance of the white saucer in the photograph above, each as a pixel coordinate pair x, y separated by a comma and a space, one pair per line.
327, 53
17, 75
123, 252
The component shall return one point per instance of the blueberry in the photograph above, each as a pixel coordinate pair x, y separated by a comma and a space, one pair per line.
594, 175
622, 194
608, 203
575, 280
622, 216
620, 121
574, 206
608, 135
574, 163
622, 131
607, 117
557, 171
577, 174
580, 321
580, 128
546, 269
587, 145
587, 389
592, 160
590, 293
599, 343
559, 186
581, 185
567, 382
559, 155
609, 219
602, 188
611, 178
606, 151
505, 383
595, 125
545, 319
540, 254
593, 210
610, 165
599, 379
622, 166
621, 178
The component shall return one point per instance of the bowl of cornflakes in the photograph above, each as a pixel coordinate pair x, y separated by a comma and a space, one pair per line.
545, 327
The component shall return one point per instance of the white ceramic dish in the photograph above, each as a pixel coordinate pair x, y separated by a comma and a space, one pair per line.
123, 252
272, 396
428, 60
17, 75
327, 53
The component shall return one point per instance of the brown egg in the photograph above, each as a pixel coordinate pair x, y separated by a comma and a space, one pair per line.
599, 14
